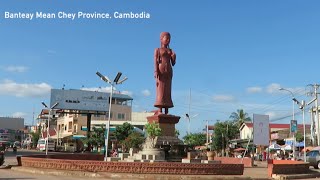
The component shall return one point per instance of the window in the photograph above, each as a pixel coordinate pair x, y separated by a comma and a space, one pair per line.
121, 116
70, 126
113, 101
309, 153
74, 128
315, 153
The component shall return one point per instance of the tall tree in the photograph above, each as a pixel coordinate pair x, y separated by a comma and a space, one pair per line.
35, 137
123, 131
240, 117
195, 139
134, 140
223, 132
96, 138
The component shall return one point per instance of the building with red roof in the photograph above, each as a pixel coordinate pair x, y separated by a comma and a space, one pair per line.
246, 130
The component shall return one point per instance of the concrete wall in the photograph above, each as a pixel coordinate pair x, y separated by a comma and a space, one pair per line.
83, 163
140, 118
247, 162
287, 167
246, 133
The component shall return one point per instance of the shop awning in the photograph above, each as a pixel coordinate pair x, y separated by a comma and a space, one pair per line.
78, 136
297, 144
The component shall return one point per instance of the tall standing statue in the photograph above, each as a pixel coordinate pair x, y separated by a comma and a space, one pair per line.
164, 59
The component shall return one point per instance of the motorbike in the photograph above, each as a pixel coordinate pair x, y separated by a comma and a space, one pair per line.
1, 158
14, 149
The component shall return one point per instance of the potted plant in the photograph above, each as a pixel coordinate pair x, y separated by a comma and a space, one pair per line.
153, 131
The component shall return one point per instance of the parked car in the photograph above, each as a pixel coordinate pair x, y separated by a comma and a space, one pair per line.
313, 157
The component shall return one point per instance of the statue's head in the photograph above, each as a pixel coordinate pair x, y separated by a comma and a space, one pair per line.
165, 38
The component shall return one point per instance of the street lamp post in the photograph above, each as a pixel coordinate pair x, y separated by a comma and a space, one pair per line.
112, 83
189, 119
294, 139
48, 128
302, 106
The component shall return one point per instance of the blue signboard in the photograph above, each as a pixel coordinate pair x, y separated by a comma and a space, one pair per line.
293, 126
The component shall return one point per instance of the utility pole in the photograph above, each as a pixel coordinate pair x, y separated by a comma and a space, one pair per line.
312, 126
222, 145
32, 117
317, 114
207, 132
317, 125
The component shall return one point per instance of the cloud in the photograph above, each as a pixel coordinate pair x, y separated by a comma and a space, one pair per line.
146, 93
19, 114
129, 93
271, 114
223, 98
254, 89
18, 69
8, 87
273, 88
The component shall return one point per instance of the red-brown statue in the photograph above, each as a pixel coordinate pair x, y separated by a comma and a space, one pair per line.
164, 59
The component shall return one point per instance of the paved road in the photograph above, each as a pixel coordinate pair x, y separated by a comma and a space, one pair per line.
10, 159
8, 174
10, 156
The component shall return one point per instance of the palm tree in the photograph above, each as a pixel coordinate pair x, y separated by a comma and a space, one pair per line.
240, 117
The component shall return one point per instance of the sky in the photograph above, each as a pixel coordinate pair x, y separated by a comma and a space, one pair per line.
231, 55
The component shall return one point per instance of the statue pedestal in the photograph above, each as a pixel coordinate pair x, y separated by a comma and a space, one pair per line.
167, 125
151, 155
168, 138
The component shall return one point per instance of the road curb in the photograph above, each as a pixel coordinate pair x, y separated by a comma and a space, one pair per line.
55, 172
295, 176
